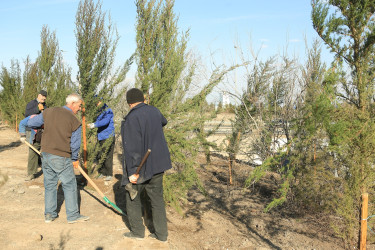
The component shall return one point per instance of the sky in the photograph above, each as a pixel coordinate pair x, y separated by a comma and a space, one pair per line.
219, 29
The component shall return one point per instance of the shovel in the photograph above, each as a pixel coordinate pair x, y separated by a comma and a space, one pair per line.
88, 179
129, 187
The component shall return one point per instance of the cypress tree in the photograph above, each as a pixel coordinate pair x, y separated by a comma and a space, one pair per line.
52, 74
30, 81
97, 40
166, 74
12, 104
348, 29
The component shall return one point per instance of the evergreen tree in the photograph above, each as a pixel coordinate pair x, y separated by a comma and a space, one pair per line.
166, 74
249, 112
52, 74
48, 72
97, 40
30, 81
348, 29
12, 104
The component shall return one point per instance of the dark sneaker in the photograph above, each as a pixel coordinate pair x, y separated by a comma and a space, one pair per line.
81, 218
48, 218
153, 236
132, 235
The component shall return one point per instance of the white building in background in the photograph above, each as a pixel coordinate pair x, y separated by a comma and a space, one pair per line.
225, 98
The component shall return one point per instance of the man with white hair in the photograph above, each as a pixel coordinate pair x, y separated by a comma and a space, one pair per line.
60, 146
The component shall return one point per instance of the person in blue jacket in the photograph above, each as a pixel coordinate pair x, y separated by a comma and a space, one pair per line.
34, 139
22, 131
142, 129
106, 137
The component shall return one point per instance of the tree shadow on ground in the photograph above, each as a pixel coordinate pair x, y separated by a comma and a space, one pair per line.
10, 146
218, 201
238, 204
64, 238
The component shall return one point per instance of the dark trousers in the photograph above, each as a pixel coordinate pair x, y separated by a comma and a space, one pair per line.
106, 167
154, 190
33, 160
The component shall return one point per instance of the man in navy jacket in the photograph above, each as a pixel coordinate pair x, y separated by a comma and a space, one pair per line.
142, 129
34, 107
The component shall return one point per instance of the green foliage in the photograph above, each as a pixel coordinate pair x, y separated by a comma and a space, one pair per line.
165, 74
283, 191
51, 75
337, 118
97, 40
270, 164
177, 185
330, 153
48, 73
30, 81
306, 164
12, 105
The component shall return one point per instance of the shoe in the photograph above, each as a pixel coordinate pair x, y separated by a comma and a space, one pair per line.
48, 218
108, 178
30, 177
81, 218
153, 236
132, 235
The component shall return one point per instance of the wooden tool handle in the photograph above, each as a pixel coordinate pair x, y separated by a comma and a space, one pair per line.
90, 181
32, 147
143, 161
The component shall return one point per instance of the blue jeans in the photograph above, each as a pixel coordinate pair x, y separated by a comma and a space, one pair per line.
59, 168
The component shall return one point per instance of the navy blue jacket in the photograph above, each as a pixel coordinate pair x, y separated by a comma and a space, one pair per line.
104, 123
32, 108
142, 129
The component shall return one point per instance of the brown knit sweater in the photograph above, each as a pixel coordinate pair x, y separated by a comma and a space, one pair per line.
59, 124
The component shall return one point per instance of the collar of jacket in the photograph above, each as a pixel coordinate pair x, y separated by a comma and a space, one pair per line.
136, 107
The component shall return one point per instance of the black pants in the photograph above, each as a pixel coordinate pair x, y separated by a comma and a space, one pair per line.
107, 167
33, 160
154, 190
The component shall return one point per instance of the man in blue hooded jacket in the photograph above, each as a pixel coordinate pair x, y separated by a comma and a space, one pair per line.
106, 137
142, 129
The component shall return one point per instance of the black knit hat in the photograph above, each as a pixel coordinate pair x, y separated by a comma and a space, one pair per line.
134, 95
43, 93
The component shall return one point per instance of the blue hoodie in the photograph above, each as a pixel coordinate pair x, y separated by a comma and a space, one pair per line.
104, 123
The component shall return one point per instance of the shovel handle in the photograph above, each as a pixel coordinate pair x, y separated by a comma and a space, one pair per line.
90, 181
143, 161
32, 147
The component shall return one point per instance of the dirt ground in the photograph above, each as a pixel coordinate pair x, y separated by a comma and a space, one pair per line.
227, 217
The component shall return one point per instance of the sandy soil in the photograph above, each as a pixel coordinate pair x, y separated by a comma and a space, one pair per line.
227, 217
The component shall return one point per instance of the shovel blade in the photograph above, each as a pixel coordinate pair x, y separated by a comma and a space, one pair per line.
132, 192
